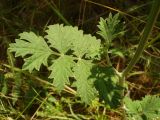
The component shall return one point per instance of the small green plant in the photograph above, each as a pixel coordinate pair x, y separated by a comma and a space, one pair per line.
67, 53
145, 109
71, 56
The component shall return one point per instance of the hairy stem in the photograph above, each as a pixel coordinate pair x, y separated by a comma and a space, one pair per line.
141, 46
143, 41
150, 23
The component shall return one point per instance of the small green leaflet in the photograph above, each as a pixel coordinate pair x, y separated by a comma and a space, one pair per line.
146, 109
74, 53
110, 28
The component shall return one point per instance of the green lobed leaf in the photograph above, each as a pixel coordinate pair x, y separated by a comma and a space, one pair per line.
110, 28
146, 109
65, 38
73, 55
61, 37
61, 71
33, 45
132, 108
29, 43
151, 106
35, 61
86, 45
85, 88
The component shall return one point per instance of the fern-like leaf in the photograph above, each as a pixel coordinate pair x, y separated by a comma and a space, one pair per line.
110, 28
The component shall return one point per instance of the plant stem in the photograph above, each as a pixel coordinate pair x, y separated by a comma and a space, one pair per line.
150, 23
108, 59
141, 46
